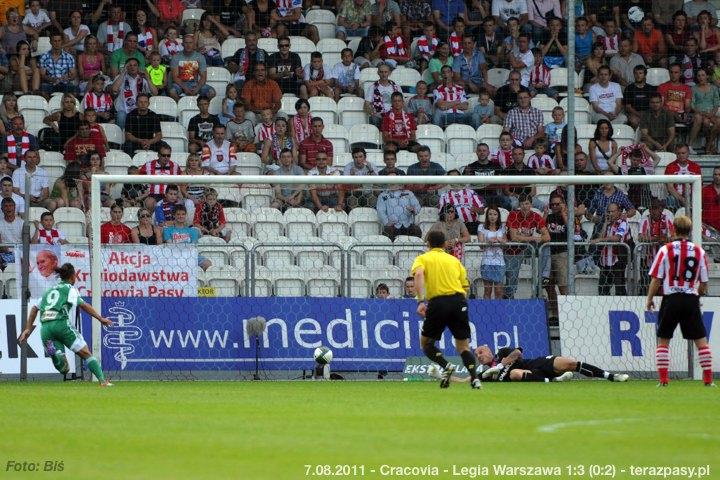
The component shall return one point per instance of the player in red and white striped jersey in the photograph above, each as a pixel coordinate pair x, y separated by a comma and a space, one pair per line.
681, 268
160, 166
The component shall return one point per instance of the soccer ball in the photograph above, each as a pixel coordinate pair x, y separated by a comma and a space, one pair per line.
323, 355
636, 14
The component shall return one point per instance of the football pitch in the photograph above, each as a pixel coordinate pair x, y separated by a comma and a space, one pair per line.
383, 429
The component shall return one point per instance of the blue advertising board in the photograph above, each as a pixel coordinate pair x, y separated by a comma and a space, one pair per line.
155, 334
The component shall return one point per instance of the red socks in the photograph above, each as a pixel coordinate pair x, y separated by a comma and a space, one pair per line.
662, 361
705, 358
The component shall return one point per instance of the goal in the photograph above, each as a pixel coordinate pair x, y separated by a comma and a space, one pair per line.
181, 311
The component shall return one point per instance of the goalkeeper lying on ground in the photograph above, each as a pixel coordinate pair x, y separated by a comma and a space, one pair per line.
510, 366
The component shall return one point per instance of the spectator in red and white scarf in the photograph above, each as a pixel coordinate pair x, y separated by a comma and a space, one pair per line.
46, 233
171, 45
377, 95
427, 43
456, 37
398, 125
15, 145
111, 33
395, 51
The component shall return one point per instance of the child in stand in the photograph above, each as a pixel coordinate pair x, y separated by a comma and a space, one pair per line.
46, 234
584, 39
420, 105
426, 45
483, 111
210, 217
540, 77
611, 39
395, 51
90, 116
171, 45
228, 104
346, 75
455, 40
554, 129
265, 129
100, 101
158, 73
503, 154
301, 121
240, 131
540, 161
317, 77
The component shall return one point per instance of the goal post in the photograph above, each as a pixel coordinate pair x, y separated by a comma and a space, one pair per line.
376, 182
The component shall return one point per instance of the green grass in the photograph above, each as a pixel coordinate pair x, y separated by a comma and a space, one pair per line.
271, 430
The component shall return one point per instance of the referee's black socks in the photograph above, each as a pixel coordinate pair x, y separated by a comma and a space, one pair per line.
434, 354
593, 371
469, 361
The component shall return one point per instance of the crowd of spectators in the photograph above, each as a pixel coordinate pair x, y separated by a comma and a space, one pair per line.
112, 58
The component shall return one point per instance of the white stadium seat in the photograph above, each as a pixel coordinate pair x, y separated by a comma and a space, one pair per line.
163, 105
432, 136
239, 220
187, 108
218, 78
225, 279
364, 222
324, 21
329, 45
366, 134
270, 45
33, 108
460, 139
231, 45
497, 77
352, 111
323, 281
339, 137
70, 220
114, 134
657, 76
320, 105
268, 223
332, 224
300, 223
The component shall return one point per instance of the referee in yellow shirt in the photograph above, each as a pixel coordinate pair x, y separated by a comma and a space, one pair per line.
441, 281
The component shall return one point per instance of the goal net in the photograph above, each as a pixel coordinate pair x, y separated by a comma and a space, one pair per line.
316, 270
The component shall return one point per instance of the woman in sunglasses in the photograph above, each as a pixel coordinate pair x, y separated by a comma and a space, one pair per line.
145, 232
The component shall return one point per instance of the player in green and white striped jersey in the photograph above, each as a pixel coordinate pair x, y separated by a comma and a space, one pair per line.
56, 331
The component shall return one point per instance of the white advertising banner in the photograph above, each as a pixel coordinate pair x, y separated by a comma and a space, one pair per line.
128, 270
617, 333
11, 325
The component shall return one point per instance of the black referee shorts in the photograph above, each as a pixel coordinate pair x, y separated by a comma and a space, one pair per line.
449, 311
684, 309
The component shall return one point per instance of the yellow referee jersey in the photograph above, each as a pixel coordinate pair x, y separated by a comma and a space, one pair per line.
444, 274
